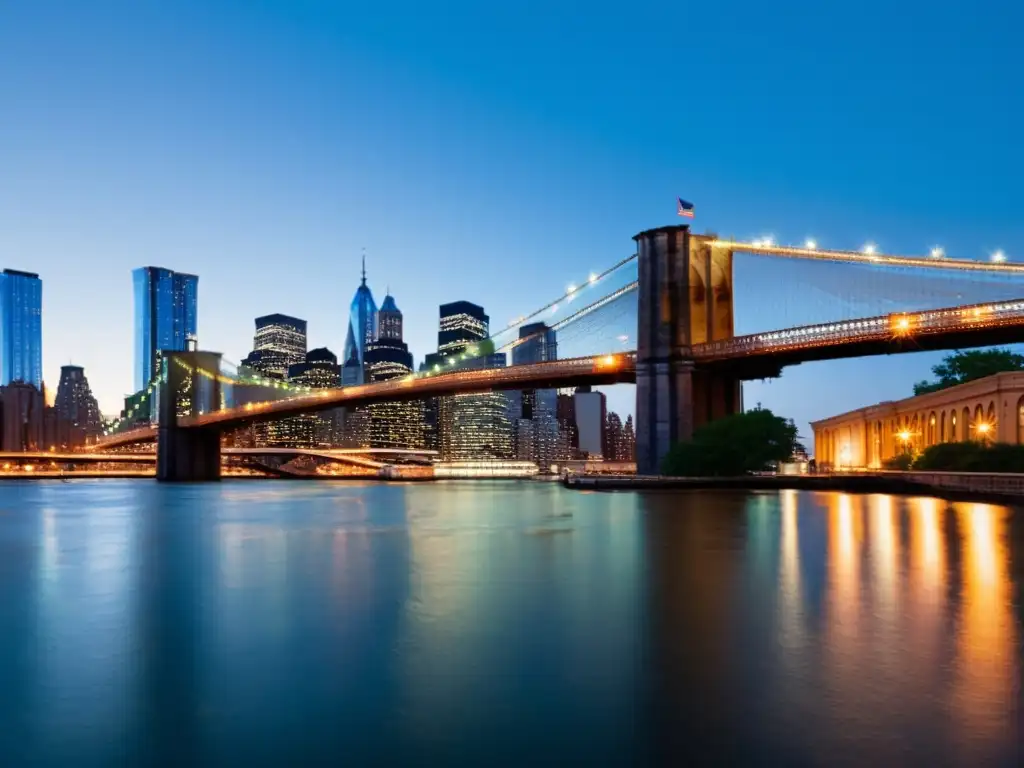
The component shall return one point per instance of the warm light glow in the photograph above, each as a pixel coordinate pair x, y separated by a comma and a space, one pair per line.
810, 245
999, 257
29, 468
937, 252
903, 324
905, 436
983, 428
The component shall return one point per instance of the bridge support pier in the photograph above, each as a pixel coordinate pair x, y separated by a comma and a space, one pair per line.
685, 298
191, 387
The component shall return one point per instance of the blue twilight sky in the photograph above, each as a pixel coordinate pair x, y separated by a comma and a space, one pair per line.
486, 151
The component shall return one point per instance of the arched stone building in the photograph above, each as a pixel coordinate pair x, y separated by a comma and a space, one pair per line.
987, 409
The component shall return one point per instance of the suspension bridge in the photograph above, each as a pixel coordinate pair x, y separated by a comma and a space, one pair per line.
662, 318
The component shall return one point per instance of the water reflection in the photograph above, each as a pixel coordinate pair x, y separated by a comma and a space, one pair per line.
490, 623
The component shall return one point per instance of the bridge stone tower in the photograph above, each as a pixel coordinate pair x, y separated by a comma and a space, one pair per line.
685, 298
190, 454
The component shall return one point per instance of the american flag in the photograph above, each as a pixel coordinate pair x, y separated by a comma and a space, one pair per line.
684, 208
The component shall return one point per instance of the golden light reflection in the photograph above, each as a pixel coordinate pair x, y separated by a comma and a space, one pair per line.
789, 572
986, 665
883, 543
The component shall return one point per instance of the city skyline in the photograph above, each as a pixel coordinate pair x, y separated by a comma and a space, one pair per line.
240, 157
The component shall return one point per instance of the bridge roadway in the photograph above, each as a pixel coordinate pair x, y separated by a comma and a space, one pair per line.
959, 327
345, 455
758, 355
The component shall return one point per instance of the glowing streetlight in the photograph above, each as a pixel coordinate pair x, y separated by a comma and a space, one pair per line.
983, 428
811, 244
870, 249
937, 252
999, 257
593, 278
905, 436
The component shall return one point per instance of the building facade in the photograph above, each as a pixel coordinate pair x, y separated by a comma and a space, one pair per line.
392, 424
278, 344
318, 370
22, 415
533, 413
166, 316
362, 325
21, 328
466, 427
591, 409
76, 408
986, 409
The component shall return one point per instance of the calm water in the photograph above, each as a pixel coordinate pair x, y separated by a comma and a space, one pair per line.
274, 623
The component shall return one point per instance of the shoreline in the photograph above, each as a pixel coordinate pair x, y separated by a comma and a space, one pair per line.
899, 484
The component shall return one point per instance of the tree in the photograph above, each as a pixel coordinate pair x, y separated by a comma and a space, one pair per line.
732, 446
961, 367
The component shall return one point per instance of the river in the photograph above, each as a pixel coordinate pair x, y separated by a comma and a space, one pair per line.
288, 623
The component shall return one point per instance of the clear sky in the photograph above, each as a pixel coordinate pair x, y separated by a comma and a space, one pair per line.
486, 151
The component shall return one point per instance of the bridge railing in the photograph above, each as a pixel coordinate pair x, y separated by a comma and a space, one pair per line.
868, 329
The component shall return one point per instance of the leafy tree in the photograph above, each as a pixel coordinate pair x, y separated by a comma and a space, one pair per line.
961, 367
732, 446
901, 461
971, 457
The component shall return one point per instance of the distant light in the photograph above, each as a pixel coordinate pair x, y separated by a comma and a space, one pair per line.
905, 436
767, 242
999, 257
571, 288
983, 428
870, 249
937, 252
609, 360
811, 245
593, 278
903, 324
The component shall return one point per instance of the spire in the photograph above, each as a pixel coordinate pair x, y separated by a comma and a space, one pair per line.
364, 266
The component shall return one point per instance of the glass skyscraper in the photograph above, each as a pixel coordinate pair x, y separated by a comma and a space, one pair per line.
362, 325
165, 316
21, 328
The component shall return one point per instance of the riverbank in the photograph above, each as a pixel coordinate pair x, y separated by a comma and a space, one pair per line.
954, 486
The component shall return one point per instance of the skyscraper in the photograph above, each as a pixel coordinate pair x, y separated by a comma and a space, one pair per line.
166, 306
461, 324
362, 324
592, 422
533, 412
279, 342
21, 328
392, 424
76, 407
613, 438
319, 370
466, 427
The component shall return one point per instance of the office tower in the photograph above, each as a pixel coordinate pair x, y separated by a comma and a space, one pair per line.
568, 432
592, 422
362, 324
21, 328
628, 449
353, 423
476, 426
466, 427
279, 342
319, 370
77, 409
22, 408
166, 305
533, 412
461, 325
392, 424
613, 441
